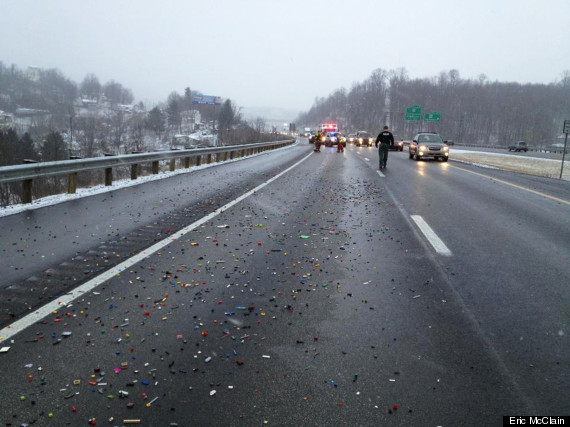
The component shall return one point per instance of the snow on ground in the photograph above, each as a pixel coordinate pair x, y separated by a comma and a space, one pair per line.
549, 168
98, 189
530, 165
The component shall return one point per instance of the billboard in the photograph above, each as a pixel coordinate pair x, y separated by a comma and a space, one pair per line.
206, 99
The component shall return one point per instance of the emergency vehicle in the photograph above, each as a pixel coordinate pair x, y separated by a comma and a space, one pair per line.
329, 127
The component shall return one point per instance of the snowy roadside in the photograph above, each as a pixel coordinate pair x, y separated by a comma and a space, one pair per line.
529, 165
123, 183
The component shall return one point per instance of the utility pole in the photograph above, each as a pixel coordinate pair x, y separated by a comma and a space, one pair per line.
566, 131
70, 133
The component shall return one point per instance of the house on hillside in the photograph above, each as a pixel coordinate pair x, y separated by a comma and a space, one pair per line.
27, 117
6, 120
190, 120
33, 73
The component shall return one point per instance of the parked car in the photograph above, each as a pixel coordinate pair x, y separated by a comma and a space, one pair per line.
398, 144
428, 144
364, 138
518, 146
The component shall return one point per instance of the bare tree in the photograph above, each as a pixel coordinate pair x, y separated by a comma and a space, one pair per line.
90, 86
88, 129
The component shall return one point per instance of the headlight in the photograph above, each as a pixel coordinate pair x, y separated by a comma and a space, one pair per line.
360, 139
423, 147
323, 139
445, 148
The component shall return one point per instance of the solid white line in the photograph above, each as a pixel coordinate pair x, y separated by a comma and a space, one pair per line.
435, 241
64, 300
381, 174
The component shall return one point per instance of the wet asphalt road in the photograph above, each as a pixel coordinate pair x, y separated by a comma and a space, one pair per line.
315, 301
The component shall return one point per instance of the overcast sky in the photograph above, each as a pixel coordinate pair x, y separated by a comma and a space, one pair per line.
270, 53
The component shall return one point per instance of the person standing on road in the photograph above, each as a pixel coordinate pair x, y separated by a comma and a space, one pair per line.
386, 140
339, 145
318, 141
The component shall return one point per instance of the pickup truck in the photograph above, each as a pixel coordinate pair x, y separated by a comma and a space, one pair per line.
518, 146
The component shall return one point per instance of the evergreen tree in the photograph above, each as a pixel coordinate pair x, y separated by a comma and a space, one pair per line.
173, 114
155, 121
53, 148
226, 120
26, 149
187, 99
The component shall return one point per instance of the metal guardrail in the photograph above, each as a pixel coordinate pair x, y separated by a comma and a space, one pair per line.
28, 172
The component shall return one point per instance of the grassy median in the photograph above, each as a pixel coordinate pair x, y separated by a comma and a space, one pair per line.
529, 165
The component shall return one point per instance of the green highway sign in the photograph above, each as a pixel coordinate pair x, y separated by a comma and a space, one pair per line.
434, 116
414, 112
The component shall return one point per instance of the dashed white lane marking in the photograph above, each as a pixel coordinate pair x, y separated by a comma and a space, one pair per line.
381, 174
65, 300
367, 159
435, 241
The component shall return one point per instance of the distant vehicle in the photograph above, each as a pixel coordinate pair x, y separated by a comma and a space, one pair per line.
312, 137
351, 138
518, 146
364, 138
398, 144
428, 144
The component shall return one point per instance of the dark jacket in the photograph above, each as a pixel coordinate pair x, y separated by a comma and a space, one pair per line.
385, 137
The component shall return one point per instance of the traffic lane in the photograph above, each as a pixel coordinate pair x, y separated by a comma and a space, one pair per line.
509, 250
551, 187
315, 299
39, 239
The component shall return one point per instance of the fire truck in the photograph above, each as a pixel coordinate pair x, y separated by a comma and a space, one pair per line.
329, 127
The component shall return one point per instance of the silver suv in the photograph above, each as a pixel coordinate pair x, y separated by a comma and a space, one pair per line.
428, 144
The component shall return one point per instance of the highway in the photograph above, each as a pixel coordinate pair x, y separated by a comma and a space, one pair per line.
291, 288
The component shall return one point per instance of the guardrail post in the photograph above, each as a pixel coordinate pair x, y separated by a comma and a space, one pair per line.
231, 155
72, 178
209, 160
27, 191
72, 183
198, 160
186, 162
155, 168
108, 172
108, 177
225, 156
135, 169
172, 165
27, 185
